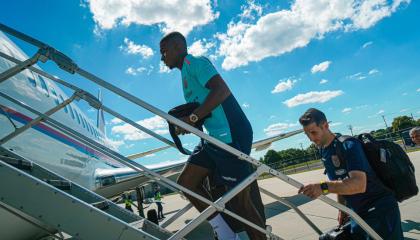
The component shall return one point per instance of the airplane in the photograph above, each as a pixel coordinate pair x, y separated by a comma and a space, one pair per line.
61, 153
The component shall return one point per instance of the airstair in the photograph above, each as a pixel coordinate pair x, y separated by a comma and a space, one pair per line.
106, 221
56, 204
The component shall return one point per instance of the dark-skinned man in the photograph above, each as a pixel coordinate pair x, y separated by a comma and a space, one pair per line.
352, 179
201, 83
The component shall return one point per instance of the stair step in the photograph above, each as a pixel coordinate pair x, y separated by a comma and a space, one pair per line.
60, 184
103, 205
18, 163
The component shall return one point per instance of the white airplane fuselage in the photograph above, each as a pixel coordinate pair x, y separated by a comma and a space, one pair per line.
42, 143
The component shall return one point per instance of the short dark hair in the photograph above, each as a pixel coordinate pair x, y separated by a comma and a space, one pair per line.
312, 115
414, 130
176, 37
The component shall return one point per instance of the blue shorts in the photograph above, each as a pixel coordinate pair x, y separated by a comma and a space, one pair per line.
385, 220
226, 169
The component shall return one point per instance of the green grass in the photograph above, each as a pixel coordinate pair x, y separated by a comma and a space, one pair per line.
266, 175
413, 150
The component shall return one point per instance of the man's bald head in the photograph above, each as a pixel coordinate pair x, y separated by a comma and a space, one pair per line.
175, 38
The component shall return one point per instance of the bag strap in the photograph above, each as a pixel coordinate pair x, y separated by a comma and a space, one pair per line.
177, 141
340, 149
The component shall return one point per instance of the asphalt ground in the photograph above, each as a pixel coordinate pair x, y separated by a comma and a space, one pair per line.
285, 222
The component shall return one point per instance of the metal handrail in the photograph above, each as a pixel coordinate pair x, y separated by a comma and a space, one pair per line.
133, 165
67, 64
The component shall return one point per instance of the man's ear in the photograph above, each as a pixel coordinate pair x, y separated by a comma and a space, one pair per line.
325, 125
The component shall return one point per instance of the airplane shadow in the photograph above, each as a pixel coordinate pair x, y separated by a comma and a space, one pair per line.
275, 208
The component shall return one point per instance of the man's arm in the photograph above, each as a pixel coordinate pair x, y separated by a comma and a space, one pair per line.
356, 183
219, 91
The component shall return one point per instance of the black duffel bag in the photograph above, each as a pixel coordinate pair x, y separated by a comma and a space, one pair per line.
341, 232
181, 111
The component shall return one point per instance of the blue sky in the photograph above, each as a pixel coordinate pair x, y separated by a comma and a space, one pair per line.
355, 60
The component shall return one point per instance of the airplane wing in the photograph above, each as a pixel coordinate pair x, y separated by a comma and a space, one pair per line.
114, 181
265, 143
143, 154
257, 145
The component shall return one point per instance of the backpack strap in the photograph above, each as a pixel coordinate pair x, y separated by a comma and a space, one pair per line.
183, 111
177, 141
339, 148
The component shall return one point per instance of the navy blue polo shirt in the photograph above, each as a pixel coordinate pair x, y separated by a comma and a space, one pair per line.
355, 160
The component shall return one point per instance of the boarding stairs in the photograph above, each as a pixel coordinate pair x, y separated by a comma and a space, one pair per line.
55, 204
48, 53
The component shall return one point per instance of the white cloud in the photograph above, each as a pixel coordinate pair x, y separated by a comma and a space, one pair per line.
418, 89
284, 85
405, 94
116, 121
245, 105
163, 68
135, 71
131, 48
362, 106
200, 47
285, 30
251, 11
115, 144
278, 128
128, 132
380, 112
323, 81
404, 110
322, 67
346, 110
373, 71
367, 44
357, 76
335, 124
173, 15
312, 97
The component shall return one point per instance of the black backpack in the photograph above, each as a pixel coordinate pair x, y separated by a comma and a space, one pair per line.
390, 163
182, 111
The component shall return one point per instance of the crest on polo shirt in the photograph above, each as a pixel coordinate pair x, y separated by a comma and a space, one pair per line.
335, 160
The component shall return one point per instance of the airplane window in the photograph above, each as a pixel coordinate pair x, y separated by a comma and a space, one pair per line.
65, 108
71, 112
44, 85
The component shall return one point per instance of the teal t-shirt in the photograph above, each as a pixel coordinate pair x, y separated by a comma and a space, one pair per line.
196, 72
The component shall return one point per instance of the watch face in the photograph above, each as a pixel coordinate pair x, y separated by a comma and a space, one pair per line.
193, 118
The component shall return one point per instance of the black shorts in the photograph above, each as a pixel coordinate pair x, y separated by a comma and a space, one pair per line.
226, 169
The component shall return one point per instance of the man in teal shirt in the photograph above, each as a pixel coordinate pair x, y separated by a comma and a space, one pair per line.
201, 83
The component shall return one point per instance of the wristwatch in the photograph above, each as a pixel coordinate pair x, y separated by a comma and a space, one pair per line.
324, 187
193, 118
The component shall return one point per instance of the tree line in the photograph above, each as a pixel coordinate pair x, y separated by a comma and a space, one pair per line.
292, 156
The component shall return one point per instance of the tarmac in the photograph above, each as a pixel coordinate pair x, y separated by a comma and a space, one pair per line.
285, 222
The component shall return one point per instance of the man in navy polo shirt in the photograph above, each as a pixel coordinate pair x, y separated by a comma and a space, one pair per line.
203, 84
354, 181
